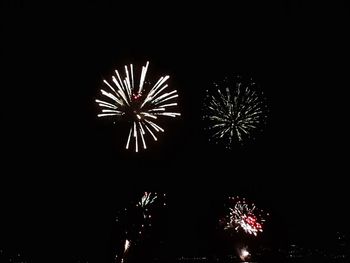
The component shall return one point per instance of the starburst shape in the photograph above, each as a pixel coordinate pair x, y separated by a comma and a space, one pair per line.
234, 110
139, 103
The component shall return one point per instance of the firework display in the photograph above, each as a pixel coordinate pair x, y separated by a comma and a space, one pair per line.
139, 103
136, 220
244, 216
234, 111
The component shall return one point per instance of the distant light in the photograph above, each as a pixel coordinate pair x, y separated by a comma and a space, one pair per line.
244, 254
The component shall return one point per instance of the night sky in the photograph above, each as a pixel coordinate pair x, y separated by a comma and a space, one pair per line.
65, 173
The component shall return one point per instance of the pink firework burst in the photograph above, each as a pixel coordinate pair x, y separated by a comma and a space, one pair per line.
244, 216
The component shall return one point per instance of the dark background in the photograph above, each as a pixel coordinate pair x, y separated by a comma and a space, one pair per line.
65, 173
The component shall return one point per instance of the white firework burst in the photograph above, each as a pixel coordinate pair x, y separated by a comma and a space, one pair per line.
234, 111
139, 103
147, 198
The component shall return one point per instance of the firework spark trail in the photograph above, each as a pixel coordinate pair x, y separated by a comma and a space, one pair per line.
245, 216
233, 111
131, 101
147, 199
126, 245
126, 249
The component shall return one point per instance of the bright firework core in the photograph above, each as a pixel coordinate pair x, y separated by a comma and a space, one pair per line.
137, 104
133, 113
